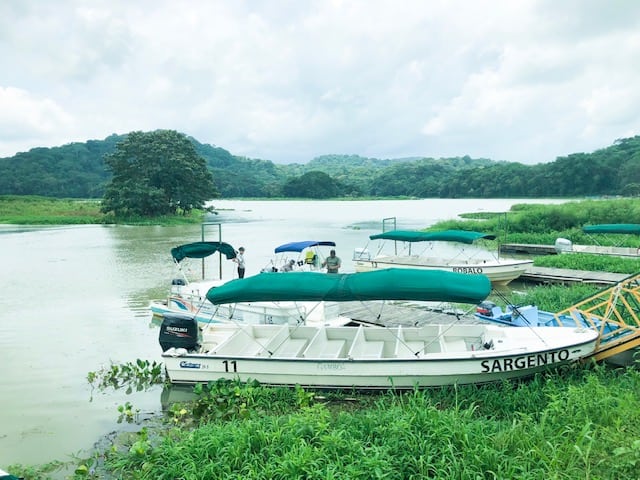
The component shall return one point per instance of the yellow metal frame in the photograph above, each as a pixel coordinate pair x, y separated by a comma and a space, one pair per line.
616, 307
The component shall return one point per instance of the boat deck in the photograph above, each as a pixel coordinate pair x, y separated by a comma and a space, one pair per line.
359, 343
404, 314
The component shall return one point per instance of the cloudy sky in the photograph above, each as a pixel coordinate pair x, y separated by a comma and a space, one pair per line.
288, 80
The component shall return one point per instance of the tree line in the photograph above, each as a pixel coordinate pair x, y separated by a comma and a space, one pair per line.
81, 170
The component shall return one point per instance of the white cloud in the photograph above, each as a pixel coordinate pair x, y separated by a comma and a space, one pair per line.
24, 118
288, 80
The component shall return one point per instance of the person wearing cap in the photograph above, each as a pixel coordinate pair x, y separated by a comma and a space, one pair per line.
240, 261
332, 262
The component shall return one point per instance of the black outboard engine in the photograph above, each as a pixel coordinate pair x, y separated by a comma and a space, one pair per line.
485, 308
178, 330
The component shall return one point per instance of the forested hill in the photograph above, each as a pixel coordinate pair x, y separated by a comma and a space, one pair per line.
77, 170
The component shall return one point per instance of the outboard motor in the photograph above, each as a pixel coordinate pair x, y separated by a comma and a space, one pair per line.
563, 245
178, 330
485, 308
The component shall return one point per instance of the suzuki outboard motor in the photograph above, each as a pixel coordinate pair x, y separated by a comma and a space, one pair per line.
178, 330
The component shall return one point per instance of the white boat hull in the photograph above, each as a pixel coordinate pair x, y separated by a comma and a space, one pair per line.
376, 358
191, 299
500, 272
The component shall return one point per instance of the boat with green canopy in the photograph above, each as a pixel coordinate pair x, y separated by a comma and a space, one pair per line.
299, 256
618, 228
416, 250
607, 238
188, 296
363, 357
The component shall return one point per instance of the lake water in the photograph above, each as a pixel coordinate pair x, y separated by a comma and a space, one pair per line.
74, 299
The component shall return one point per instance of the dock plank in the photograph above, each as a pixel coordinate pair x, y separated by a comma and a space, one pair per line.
535, 249
528, 248
567, 276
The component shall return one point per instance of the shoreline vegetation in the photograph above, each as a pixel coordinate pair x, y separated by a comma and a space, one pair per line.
582, 421
35, 210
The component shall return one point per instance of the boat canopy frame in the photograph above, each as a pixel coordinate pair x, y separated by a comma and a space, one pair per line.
606, 229
300, 246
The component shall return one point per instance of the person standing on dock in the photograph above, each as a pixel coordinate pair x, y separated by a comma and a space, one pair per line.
332, 262
240, 261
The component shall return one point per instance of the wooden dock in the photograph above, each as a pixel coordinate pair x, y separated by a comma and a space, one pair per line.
535, 249
528, 249
566, 276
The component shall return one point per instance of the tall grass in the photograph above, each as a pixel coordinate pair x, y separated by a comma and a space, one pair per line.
34, 210
575, 423
591, 262
551, 298
542, 224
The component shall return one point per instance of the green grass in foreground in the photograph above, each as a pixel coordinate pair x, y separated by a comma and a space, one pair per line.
581, 422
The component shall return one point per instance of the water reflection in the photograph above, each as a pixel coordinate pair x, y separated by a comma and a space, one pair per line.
176, 394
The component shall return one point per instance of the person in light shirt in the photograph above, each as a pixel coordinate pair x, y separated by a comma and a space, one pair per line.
332, 262
240, 261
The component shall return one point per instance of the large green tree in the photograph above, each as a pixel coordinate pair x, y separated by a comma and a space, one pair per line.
156, 173
312, 185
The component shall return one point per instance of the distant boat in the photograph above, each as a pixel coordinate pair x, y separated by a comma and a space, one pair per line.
299, 256
623, 230
618, 228
363, 357
500, 271
7, 476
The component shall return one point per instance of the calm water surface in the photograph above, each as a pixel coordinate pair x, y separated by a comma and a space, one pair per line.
74, 299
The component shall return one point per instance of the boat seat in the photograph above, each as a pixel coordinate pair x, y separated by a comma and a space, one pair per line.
370, 350
454, 344
332, 349
291, 348
415, 346
310, 258
252, 349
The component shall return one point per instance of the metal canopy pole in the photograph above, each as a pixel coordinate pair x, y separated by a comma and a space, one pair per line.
202, 227
391, 220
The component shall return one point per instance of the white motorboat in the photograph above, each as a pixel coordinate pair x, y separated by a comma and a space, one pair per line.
189, 297
361, 357
473, 261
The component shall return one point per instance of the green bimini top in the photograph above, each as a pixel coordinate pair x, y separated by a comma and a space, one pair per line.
384, 284
628, 228
461, 236
202, 250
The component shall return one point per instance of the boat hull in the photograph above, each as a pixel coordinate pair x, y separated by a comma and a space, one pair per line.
379, 364
530, 316
255, 313
500, 273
